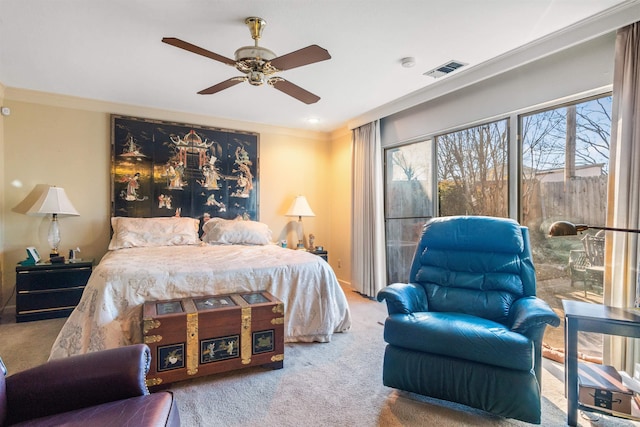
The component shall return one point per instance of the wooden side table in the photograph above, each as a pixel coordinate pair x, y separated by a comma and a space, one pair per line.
586, 317
46, 290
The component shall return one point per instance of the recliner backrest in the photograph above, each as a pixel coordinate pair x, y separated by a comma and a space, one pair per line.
476, 265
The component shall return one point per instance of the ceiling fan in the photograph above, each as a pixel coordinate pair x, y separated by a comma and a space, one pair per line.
259, 64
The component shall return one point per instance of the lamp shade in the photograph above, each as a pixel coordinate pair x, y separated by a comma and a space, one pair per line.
300, 207
53, 201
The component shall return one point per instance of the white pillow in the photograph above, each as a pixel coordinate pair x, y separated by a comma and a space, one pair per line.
209, 225
224, 231
149, 232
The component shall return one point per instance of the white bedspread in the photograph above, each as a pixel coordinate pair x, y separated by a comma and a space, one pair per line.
109, 313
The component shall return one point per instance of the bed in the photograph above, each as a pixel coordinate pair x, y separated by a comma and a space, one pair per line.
162, 258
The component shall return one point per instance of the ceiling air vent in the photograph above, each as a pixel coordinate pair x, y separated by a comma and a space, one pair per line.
444, 69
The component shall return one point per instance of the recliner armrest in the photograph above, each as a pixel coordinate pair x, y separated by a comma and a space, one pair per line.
76, 382
404, 298
529, 314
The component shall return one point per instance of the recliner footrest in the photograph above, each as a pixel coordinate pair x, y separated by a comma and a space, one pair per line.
470, 383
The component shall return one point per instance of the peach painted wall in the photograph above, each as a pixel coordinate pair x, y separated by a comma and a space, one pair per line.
340, 192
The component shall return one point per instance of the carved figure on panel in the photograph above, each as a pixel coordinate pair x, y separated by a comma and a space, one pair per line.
131, 192
244, 177
211, 175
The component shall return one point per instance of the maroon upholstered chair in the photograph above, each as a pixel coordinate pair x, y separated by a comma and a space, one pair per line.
94, 389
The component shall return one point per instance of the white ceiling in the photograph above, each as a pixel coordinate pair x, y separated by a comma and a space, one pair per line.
110, 50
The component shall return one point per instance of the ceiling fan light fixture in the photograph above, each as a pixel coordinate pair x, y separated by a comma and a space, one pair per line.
254, 52
256, 78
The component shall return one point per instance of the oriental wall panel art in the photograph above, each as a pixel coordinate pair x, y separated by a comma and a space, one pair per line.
168, 169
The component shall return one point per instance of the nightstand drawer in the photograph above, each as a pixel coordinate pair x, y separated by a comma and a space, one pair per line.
46, 279
43, 314
44, 300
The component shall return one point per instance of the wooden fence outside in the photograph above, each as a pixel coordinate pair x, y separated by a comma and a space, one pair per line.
580, 200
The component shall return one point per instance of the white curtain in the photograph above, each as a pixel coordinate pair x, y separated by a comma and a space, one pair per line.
368, 264
621, 277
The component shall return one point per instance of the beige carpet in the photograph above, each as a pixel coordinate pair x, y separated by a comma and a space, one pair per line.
334, 384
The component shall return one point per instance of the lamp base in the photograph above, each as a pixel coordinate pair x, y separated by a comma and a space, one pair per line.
300, 246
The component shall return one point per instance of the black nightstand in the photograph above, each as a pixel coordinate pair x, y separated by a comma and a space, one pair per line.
322, 254
45, 290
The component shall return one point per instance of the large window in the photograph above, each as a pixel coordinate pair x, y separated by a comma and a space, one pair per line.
565, 154
473, 170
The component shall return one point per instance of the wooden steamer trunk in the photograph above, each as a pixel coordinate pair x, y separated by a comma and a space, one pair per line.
192, 337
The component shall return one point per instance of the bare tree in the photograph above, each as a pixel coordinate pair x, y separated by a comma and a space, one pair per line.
410, 167
594, 131
540, 151
544, 136
472, 170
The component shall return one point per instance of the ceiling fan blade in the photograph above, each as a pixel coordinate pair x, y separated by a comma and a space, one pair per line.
305, 56
198, 50
293, 90
222, 86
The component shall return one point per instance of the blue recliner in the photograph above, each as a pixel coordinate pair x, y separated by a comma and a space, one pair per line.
468, 327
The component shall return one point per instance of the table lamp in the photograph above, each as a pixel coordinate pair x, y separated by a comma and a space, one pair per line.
300, 207
53, 201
